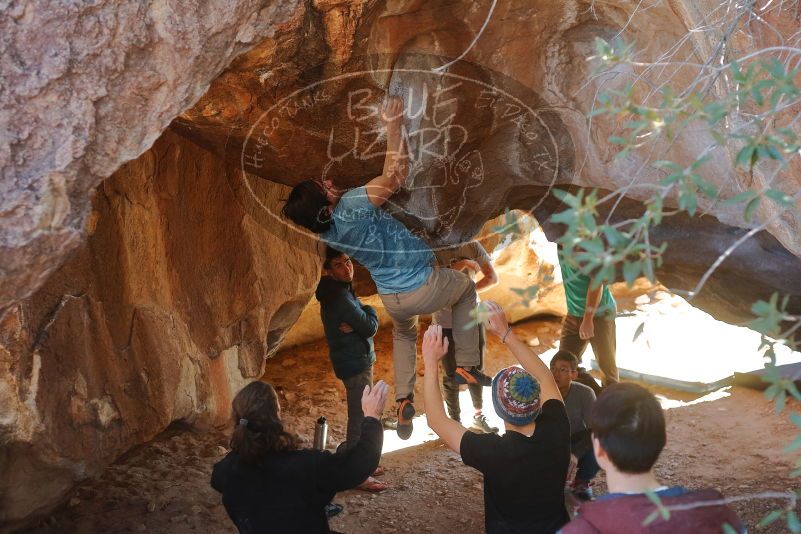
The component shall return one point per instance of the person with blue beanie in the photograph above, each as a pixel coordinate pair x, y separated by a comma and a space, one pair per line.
524, 469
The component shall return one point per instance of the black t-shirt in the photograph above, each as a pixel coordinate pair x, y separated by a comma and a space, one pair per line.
524, 477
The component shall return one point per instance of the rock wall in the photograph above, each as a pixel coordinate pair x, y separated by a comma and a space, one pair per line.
167, 310
153, 296
87, 86
502, 127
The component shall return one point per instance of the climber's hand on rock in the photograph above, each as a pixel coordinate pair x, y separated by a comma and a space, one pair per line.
374, 399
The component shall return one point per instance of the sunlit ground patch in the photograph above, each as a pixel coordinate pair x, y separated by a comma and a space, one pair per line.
420, 435
682, 344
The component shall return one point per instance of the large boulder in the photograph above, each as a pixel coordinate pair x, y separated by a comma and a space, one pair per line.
151, 297
88, 86
168, 309
503, 126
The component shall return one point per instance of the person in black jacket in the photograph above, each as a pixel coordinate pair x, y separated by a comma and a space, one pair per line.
349, 329
269, 485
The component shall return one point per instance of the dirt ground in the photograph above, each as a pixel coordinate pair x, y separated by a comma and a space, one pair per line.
731, 440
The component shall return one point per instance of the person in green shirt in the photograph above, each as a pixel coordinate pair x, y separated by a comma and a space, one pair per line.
590, 320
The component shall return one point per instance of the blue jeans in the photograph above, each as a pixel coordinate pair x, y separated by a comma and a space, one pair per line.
587, 466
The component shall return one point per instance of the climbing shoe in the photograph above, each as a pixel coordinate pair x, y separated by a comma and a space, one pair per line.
471, 375
405, 415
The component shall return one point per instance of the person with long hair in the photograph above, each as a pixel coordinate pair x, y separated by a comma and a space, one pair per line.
269, 484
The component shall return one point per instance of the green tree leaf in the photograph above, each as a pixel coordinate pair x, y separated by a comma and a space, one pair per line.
794, 445
688, 200
631, 270
770, 518
700, 161
665, 164
740, 197
792, 522
706, 187
651, 518
791, 387
737, 74
750, 208
654, 498
719, 138
779, 197
781, 402
744, 156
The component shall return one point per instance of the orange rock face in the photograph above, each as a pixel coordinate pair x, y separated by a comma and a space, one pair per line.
504, 125
169, 309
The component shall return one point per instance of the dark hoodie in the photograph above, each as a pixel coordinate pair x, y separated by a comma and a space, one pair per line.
287, 493
350, 353
627, 513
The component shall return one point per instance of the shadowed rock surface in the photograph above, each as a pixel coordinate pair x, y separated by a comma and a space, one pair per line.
166, 312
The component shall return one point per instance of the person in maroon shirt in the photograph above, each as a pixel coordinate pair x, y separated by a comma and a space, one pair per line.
628, 434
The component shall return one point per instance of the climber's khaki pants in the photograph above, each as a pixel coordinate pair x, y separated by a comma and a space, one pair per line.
445, 288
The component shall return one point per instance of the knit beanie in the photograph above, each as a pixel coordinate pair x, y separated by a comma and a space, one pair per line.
516, 396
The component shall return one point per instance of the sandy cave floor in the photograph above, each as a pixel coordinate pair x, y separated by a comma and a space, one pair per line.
733, 442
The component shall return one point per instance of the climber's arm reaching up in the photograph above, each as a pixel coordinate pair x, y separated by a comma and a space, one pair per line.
396, 163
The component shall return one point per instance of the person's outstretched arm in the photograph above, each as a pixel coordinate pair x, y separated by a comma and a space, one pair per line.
435, 346
490, 276
498, 325
342, 471
396, 166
